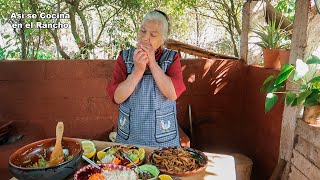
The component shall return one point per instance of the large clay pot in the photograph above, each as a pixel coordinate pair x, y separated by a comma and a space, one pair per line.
284, 56
311, 115
21, 160
271, 58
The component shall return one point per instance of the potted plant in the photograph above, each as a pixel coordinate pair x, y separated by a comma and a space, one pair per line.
307, 78
272, 38
284, 53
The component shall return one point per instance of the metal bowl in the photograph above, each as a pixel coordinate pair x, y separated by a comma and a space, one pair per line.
20, 162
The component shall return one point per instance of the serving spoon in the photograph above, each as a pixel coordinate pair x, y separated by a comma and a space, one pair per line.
144, 173
95, 165
57, 155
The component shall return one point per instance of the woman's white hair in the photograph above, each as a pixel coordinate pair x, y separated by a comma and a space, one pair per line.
156, 15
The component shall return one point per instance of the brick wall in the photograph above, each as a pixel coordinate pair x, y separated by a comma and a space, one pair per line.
214, 91
227, 107
37, 93
261, 130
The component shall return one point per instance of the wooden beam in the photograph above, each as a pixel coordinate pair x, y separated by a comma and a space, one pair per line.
309, 133
273, 13
307, 148
296, 174
194, 50
308, 169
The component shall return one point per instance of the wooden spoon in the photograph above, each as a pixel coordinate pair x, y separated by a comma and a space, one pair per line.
57, 156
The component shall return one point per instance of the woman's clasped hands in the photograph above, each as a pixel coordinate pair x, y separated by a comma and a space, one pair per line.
144, 55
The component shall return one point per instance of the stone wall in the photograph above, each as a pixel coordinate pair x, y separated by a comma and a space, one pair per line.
305, 162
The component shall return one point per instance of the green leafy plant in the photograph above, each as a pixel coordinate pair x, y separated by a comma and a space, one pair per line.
287, 7
271, 35
309, 86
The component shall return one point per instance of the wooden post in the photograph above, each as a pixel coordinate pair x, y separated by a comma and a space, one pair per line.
298, 45
243, 166
244, 37
299, 35
253, 13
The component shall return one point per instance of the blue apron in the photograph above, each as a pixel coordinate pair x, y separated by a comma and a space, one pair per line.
147, 117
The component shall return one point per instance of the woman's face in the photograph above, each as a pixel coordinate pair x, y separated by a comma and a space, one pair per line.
150, 32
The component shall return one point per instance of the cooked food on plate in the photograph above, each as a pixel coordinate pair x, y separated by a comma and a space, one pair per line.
114, 175
111, 172
152, 172
114, 155
178, 160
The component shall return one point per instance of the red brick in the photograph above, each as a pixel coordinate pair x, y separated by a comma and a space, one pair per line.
72, 88
15, 89
44, 107
22, 70
79, 69
102, 68
55, 88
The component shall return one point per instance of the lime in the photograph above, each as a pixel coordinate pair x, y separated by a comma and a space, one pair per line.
165, 177
142, 153
89, 151
101, 155
87, 143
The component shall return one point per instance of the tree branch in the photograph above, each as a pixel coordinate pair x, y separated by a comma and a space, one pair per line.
85, 25
73, 25
22, 36
225, 12
235, 18
100, 33
89, 5
235, 50
56, 40
38, 45
104, 25
217, 2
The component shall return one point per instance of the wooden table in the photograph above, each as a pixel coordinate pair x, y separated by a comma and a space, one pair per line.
220, 167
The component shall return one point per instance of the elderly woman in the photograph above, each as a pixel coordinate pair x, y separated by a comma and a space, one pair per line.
146, 81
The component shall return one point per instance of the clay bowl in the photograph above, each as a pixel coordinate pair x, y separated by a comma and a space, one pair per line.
21, 160
196, 154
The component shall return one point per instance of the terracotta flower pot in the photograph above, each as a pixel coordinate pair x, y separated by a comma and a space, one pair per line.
284, 56
271, 58
311, 115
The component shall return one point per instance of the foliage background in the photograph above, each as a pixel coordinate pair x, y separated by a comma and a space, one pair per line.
99, 29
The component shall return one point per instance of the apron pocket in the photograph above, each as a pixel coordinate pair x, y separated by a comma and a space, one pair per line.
124, 122
166, 129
